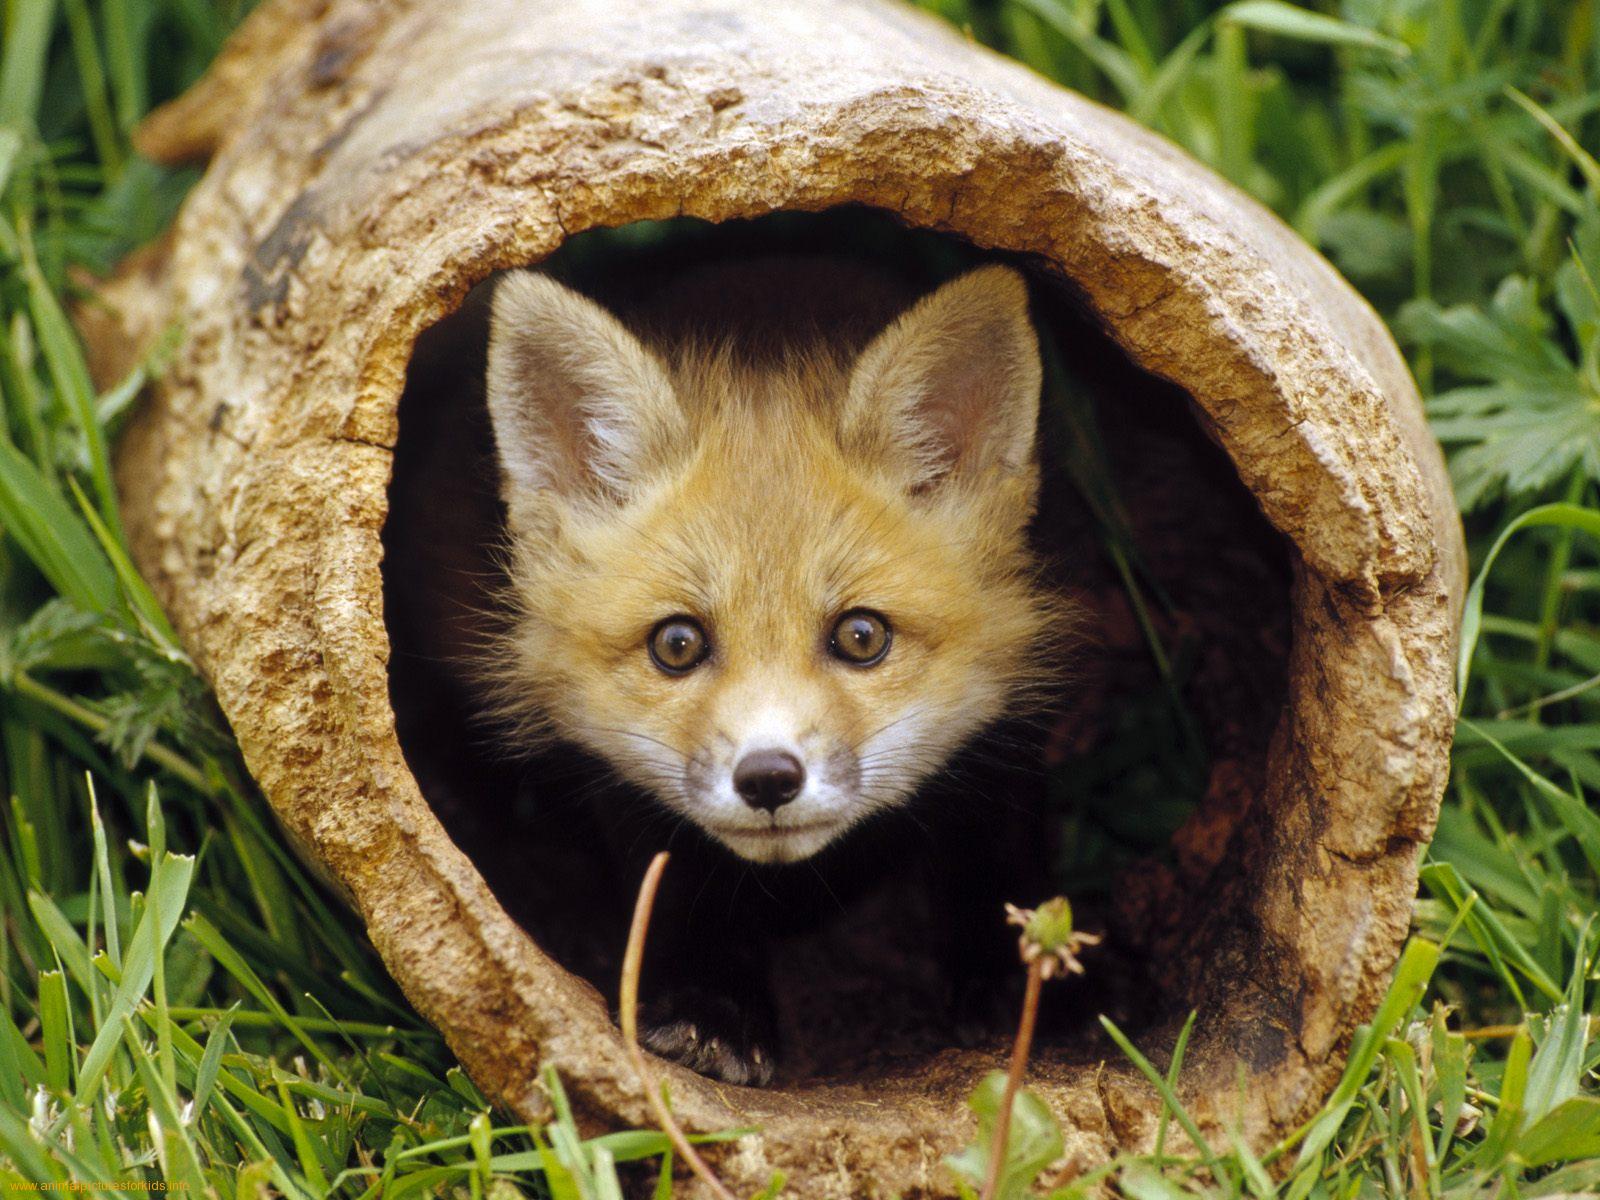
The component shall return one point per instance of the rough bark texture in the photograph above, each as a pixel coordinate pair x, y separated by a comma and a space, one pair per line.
372, 160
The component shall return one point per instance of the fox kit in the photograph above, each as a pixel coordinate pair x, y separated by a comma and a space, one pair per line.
770, 567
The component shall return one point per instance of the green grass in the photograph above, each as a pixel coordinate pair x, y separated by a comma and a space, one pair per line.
180, 1000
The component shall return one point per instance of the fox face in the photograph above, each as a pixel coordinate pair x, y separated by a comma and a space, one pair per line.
777, 592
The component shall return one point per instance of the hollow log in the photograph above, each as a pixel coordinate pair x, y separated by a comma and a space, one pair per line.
371, 161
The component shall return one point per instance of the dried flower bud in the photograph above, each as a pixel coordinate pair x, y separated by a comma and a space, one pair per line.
1048, 937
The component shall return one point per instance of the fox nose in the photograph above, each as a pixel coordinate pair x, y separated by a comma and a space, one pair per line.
768, 779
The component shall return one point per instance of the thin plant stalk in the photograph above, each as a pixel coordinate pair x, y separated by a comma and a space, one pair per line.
25, 685
632, 965
1020, 1049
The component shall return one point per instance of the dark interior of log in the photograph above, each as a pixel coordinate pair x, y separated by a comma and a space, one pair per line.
1141, 777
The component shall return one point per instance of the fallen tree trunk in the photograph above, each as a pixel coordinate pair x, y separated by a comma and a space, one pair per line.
372, 161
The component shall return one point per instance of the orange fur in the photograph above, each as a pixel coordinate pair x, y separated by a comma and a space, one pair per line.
765, 498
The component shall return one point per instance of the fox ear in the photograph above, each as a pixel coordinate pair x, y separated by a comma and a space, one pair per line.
951, 388
578, 405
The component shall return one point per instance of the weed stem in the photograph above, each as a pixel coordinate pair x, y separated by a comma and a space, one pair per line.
25, 685
628, 1002
1019, 1065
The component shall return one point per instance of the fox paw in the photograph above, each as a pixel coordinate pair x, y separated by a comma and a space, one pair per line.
709, 1034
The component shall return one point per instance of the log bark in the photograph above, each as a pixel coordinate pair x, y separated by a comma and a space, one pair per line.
372, 160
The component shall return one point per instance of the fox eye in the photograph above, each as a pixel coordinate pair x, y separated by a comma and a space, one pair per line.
678, 645
861, 637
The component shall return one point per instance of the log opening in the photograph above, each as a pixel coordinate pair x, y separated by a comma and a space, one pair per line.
1152, 754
